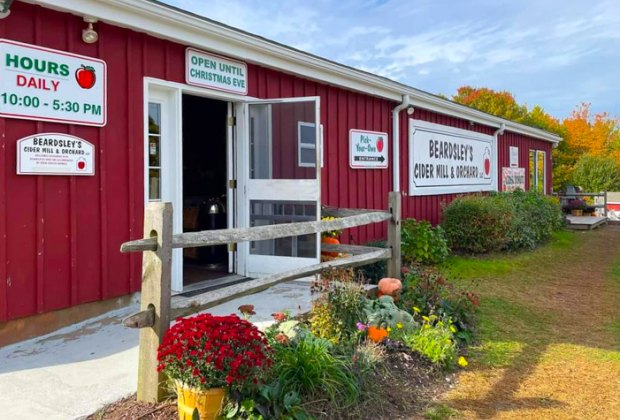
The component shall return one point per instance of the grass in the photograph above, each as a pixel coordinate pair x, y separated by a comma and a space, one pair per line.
549, 330
441, 412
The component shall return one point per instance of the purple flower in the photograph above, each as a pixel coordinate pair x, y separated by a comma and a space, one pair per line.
361, 327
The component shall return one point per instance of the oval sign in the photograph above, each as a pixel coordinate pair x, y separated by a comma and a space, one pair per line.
55, 154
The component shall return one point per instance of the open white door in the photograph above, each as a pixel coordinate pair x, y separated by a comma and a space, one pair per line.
279, 179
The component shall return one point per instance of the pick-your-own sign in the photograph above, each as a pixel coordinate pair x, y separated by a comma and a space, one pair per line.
39, 83
445, 160
368, 149
215, 72
55, 154
513, 178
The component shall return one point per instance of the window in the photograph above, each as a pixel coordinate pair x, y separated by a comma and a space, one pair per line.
154, 151
306, 145
537, 171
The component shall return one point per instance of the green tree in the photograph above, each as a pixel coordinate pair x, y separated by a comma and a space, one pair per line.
597, 173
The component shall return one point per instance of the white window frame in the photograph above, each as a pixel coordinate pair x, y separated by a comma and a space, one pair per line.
301, 145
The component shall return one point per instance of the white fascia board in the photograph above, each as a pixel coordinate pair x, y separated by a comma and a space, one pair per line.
190, 30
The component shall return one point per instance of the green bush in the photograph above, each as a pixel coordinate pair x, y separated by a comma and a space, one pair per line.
434, 340
536, 217
426, 292
500, 221
308, 366
422, 243
477, 223
383, 313
334, 315
597, 173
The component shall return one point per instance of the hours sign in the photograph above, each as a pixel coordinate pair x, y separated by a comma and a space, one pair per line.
39, 83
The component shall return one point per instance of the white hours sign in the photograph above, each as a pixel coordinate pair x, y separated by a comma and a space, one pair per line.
38, 83
446, 160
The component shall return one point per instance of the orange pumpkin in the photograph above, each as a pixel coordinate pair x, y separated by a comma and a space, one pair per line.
330, 240
390, 286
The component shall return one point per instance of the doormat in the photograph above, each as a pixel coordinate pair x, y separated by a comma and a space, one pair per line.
214, 287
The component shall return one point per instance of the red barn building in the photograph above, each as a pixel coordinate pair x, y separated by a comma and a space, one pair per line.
107, 104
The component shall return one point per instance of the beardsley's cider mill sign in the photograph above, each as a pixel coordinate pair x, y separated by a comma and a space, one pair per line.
445, 160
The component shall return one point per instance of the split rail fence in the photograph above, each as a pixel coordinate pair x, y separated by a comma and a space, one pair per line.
154, 316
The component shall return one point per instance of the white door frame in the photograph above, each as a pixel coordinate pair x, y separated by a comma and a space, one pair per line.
170, 95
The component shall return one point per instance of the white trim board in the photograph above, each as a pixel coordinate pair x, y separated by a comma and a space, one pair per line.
167, 22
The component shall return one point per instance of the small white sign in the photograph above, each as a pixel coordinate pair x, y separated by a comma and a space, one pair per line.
55, 154
215, 72
513, 178
368, 149
514, 157
446, 160
39, 83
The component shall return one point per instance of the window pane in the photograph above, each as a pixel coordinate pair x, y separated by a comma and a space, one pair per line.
307, 133
154, 158
264, 213
540, 172
154, 118
154, 184
274, 140
532, 168
307, 156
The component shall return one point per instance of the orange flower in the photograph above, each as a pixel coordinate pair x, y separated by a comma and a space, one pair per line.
281, 338
279, 316
377, 334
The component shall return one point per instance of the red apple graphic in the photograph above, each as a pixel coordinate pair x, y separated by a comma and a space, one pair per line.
85, 77
487, 165
380, 144
81, 165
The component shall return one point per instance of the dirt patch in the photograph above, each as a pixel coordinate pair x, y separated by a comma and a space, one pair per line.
130, 409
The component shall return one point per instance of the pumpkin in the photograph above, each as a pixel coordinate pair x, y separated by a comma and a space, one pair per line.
390, 286
330, 240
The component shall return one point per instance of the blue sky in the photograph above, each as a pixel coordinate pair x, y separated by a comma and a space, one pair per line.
552, 53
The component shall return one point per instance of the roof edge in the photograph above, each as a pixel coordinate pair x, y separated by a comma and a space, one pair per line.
168, 22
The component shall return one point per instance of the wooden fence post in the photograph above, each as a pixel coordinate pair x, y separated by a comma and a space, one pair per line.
156, 274
394, 263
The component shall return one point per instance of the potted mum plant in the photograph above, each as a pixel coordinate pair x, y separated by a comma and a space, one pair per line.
207, 355
576, 206
330, 237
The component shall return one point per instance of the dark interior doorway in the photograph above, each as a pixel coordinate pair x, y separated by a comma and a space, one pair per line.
204, 185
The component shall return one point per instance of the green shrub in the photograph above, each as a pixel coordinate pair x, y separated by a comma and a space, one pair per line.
426, 293
477, 223
434, 340
536, 217
597, 173
308, 366
422, 243
335, 314
500, 221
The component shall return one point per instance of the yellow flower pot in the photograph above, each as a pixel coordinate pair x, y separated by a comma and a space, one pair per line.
209, 402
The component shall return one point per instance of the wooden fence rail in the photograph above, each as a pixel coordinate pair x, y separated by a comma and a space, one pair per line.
154, 316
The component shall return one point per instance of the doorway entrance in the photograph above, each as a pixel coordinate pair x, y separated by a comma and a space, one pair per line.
205, 159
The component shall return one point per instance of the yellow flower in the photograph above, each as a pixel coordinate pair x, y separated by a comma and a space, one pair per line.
448, 341
462, 362
416, 309
389, 329
427, 319
399, 325
426, 326
440, 324
452, 329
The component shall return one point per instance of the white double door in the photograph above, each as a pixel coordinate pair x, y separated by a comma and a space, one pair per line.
274, 155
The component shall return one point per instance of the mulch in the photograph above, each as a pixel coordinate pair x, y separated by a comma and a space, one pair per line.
402, 387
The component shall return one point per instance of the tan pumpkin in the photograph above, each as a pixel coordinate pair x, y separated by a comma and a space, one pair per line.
390, 286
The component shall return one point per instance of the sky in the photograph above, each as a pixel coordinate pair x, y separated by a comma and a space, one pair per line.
552, 53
